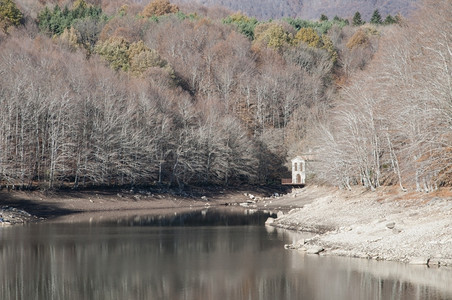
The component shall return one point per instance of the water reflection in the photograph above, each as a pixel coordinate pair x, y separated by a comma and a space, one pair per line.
218, 216
203, 217
105, 261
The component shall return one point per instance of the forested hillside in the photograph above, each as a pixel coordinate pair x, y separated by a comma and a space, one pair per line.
393, 123
96, 94
312, 9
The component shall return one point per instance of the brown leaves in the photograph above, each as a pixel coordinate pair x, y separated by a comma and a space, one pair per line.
159, 8
358, 39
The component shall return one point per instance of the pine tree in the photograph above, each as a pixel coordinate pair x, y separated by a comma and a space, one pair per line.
390, 20
323, 18
376, 18
357, 21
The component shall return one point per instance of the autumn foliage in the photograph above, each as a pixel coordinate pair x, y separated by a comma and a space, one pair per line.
159, 8
10, 15
173, 97
392, 124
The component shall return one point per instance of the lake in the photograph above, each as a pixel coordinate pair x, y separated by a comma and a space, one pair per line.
208, 254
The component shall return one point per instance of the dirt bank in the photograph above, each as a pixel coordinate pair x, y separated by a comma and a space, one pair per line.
18, 207
385, 225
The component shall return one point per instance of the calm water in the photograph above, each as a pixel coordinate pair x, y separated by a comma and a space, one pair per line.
135, 258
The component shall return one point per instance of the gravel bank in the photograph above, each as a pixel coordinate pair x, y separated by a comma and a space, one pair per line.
383, 225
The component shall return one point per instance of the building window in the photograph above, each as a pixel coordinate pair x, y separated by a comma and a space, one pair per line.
295, 167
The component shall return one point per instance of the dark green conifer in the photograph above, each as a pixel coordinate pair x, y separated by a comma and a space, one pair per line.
390, 20
357, 21
376, 18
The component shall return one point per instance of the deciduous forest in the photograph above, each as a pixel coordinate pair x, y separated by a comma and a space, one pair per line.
102, 93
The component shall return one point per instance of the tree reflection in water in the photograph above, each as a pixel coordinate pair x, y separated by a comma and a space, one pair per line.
110, 261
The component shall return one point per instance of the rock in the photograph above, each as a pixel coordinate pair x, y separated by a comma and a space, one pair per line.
279, 214
204, 198
314, 250
293, 210
299, 244
290, 246
269, 221
390, 225
433, 262
396, 231
251, 196
244, 204
302, 248
445, 262
296, 246
419, 261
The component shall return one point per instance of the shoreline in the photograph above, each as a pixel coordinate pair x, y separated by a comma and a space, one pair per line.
387, 224
22, 207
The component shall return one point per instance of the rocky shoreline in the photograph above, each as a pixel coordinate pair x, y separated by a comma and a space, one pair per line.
414, 228
13, 216
384, 225
22, 207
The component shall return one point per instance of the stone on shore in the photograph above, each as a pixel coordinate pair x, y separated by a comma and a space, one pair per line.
433, 262
445, 262
269, 221
314, 250
382, 225
419, 261
390, 225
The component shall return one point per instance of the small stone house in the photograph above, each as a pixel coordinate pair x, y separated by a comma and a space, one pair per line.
298, 170
302, 166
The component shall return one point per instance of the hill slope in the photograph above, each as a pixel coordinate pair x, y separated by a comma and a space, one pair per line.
312, 9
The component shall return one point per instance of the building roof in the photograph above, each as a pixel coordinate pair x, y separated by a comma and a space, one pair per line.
305, 157
298, 158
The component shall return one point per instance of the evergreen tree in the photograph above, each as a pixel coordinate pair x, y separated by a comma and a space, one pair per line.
390, 20
339, 20
245, 25
323, 18
357, 21
44, 17
376, 18
56, 21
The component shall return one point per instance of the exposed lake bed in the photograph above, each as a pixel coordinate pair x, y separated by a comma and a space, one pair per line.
414, 228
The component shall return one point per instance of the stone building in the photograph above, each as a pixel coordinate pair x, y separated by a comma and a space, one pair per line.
298, 172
